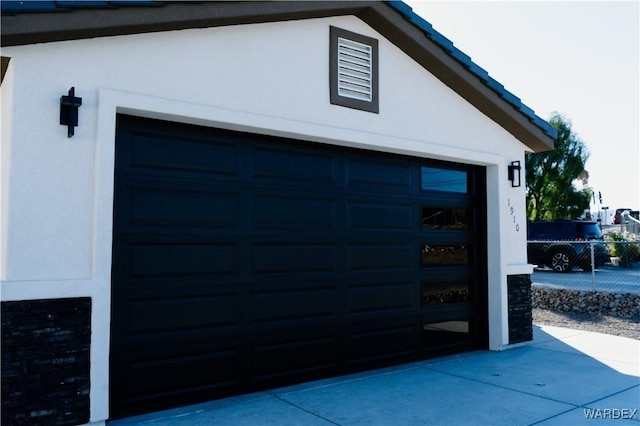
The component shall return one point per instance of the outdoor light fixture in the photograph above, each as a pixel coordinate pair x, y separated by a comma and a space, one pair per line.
514, 173
69, 111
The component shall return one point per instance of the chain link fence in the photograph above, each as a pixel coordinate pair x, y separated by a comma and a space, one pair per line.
630, 224
612, 265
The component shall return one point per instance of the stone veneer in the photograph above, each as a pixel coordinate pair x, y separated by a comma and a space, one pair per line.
45, 361
519, 305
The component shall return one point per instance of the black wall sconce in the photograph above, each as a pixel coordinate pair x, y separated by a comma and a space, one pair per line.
69, 111
514, 173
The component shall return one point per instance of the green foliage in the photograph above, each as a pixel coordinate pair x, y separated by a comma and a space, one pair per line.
627, 251
550, 176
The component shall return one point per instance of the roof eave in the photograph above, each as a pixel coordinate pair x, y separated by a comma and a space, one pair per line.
22, 29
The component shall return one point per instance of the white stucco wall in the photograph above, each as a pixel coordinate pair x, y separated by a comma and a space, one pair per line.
57, 193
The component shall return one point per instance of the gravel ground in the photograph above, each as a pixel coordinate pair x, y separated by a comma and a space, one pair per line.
604, 324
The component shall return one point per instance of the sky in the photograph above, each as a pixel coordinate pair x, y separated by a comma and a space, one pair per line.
578, 58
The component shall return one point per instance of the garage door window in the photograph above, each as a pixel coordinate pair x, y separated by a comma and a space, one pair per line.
443, 180
445, 254
438, 334
456, 291
444, 219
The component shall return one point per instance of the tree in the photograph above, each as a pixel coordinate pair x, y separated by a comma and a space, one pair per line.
551, 176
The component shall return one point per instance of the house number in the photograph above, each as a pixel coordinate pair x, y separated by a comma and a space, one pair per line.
513, 215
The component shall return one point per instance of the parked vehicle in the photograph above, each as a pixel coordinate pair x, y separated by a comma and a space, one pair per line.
563, 244
617, 217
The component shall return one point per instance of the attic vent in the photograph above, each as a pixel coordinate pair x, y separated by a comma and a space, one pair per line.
354, 70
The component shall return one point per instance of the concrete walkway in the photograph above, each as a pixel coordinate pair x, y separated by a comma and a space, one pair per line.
562, 377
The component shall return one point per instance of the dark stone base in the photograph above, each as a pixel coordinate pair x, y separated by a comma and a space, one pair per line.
520, 317
45, 361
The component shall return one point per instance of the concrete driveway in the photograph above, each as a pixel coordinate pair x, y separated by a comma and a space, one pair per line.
562, 377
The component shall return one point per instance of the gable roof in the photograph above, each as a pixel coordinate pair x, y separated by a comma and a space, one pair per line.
32, 22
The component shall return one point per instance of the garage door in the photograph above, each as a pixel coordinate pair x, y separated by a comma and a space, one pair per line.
242, 262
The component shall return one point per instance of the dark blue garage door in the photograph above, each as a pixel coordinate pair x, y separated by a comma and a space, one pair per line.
242, 262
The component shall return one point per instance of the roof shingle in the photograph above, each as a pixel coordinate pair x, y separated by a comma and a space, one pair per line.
13, 7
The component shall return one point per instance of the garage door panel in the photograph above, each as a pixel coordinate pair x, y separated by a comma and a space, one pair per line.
179, 285
186, 208
380, 257
160, 341
383, 342
183, 313
382, 297
245, 261
380, 175
150, 376
163, 260
294, 257
166, 329
294, 305
293, 164
294, 355
379, 216
179, 155
293, 211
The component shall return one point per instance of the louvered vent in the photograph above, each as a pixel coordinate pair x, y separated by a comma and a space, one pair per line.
355, 70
